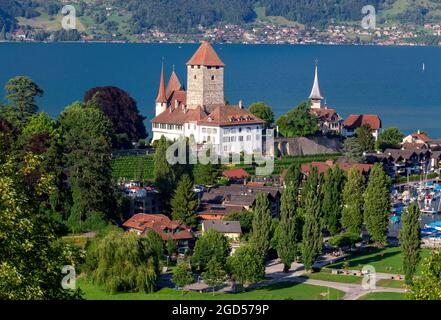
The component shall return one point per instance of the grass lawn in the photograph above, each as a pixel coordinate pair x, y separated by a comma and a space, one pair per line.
334, 277
387, 260
383, 296
390, 283
280, 291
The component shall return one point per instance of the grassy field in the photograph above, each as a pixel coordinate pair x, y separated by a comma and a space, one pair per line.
388, 283
281, 291
387, 260
383, 296
334, 277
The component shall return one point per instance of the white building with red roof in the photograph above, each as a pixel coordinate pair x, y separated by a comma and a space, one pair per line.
200, 111
355, 121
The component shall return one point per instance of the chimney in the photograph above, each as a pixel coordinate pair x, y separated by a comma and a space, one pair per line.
240, 104
176, 104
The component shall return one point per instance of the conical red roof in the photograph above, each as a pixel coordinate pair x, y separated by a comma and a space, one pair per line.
206, 56
173, 84
161, 93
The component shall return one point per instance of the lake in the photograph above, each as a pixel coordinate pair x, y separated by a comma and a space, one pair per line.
388, 81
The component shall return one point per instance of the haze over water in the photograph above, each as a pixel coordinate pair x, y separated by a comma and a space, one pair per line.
388, 81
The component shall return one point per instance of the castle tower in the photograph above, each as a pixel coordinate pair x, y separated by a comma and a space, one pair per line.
205, 78
315, 96
161, 99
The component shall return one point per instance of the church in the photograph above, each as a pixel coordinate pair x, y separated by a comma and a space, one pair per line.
200, 111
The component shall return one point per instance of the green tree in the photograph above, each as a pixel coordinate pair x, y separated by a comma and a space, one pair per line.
365, 138
31, 257
211, 245
332, 199
128, 262
263, 111
163, 172
389, 138
352, 213
410, 241
287, 235
298, 122
312, 239
86, 135
246, 265
293, 176
353, 150
215, 274
170, 246
428, 285
261, 234
21, 93
182, 276
184, 202
206, 174
377, 205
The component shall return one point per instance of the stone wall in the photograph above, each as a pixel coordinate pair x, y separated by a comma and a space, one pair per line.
300, 146
205, 86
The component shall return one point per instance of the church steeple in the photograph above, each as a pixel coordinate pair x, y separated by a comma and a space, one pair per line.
161, 99
173, 83
315, 96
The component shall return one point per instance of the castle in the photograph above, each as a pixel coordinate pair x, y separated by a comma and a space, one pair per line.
200, 111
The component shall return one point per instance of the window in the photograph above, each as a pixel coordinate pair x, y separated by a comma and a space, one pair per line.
214, 131
204, 130
241, 138
212, 77
257, 136
233, 139
248, 129
225, 148
188, 126
195, 77
248, 138
240, 130
199, 67
192, 67
209, 67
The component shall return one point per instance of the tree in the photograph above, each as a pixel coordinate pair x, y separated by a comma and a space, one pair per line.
184, 202
261, 234
293, 176
352, 213
206, 174
312, 240
428, 285
163, 171
377, 205
332, 199
246, 265
287, 235
182, 276
170, 246
21, 93
264, 112
211, 245
298, 122
389, 138
86, 139
215, 274
410, 240
128, 262
365, 138
121, 109
353, 150
31, 257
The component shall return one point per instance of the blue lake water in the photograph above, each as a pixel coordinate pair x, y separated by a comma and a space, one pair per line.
388, 81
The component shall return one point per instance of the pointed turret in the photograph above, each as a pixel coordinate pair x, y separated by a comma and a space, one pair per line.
161, 99
161, 92
173, 83
315, 95
205, 56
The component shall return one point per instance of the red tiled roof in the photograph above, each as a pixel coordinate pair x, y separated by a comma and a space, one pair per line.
357, 120
173, 84
324, 113
205, 56
227, 115
158, 222
179, 115
420, 136
161, 92
322, 167
235, 173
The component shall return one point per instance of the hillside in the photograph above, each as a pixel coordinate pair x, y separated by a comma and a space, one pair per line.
131, 20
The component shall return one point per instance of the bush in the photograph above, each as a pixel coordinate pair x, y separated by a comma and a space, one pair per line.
344, 239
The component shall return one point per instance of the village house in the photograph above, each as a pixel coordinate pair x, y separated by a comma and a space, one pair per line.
200, 111
355, 121
230, 229
241, 197
167, 229
236, 175
323, 166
